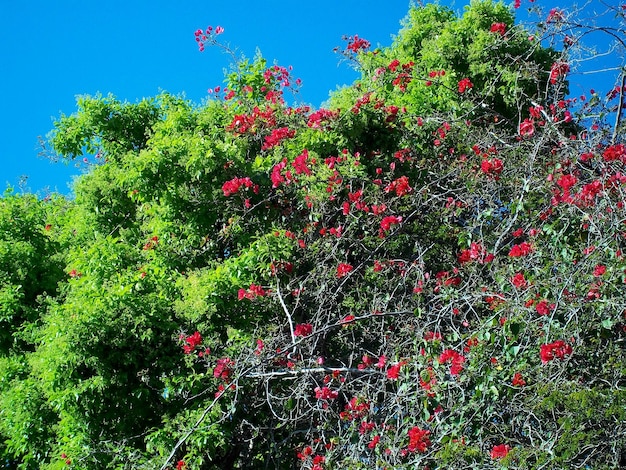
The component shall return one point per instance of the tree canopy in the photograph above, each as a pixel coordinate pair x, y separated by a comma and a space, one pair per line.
427, 272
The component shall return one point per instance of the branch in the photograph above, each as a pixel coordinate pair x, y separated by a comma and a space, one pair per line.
618, 118
289, 319
311, 370
182, 440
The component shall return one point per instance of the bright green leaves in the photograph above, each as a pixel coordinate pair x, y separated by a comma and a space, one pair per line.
104, 125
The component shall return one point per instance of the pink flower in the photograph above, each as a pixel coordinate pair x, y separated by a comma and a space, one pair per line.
500, 451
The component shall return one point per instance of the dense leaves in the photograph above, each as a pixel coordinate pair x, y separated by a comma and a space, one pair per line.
428, 273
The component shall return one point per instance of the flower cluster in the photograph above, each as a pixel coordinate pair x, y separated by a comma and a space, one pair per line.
476, 252
454, 358
343, 269
303, 329
252, 292
207, 36
191, 342
356, 44
233, 186
418, 440
465, 84
558, 349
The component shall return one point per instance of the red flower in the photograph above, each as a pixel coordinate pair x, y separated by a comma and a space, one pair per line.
325, 393
232, 187
492, 167
418, 439
223, 368
192, 342
343, 269
558, 69
499, 28
500, 451
399, 186
388, 221
518, 381
558, 349
180, 465
476, 252
527, 127
543, 308
522, 249
300, 164
599, 270
303, 329
519, 281
277, 136
374, 442
394, 371
252, 292
456, 359
357, 44
465, 84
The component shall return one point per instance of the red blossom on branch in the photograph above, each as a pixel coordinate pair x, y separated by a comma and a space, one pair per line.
499, 28
500, 451
418, 440
303, 329
343, 269
556, 350
522, 249
191, 342
465, 84
356, 44
454, 358
400, 186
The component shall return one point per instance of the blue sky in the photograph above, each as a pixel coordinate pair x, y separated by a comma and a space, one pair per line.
54, 51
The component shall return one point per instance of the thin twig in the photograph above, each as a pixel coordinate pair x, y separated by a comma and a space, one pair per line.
618, 118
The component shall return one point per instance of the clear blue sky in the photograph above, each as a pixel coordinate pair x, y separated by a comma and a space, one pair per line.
52, 51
